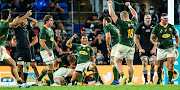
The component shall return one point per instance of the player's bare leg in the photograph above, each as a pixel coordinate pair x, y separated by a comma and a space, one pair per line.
118, 64
75, 77
159, 70
170, 61
20, 71
130, 70
96, 73
34, 67
144, 60
152, 63
12, 64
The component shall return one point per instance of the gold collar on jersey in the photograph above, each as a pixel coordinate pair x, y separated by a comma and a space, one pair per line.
3, 20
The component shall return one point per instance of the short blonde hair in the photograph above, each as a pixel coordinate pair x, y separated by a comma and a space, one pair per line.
124, 14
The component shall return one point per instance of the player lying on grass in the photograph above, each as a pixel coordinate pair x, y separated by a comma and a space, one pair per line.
64, 68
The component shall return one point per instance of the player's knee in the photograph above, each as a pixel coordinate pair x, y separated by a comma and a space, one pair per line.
34, 66
143, 58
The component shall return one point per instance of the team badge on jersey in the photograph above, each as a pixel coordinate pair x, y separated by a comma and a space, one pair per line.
88, 49
170, 29
161, 31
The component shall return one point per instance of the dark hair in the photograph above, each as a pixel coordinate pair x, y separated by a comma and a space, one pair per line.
108, 19
71, 58
143, 5
95, 14
4, 14
46, 18
163, 14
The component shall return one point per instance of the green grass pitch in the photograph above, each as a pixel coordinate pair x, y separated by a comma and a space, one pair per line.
102, 87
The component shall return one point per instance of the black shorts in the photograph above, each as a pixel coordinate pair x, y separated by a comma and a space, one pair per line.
24, 55
147, 53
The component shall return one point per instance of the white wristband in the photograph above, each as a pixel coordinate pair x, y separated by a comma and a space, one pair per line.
109, 4
129, 6
72, 37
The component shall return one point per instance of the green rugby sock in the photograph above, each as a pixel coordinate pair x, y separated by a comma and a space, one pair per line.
42, 74
116, 76
80, 79
50, 75
170, 73
96, 77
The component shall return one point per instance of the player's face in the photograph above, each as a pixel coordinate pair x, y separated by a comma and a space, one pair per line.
50, 22
84, 40
164, 20
95, 17
147, 19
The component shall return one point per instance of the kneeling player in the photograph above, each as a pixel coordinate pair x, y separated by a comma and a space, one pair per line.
85, 58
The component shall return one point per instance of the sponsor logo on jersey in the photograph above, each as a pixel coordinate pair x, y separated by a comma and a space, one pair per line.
83, 52
19, 58
7, 79
148, 30
166, 35
52, 39
143, 27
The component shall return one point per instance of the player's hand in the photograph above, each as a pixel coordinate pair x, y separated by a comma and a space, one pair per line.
127, 4
109, 2
157, 44
153, 51
177, 45
75, 36
50, 53
70, 52
141, 50
109, 50
29, 13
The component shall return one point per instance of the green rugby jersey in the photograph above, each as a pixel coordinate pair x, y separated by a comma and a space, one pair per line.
4, 31
84, 53
127, 29
48, 35
114, 33
164, 35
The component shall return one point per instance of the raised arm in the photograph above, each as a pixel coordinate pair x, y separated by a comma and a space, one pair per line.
69, 42
34, 21
18, 20
14, 41
111, 11
133, 12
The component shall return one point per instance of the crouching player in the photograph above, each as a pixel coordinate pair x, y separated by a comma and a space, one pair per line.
85, 58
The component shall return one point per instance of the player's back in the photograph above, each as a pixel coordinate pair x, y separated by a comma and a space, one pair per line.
127, 29
114, 31
4, 31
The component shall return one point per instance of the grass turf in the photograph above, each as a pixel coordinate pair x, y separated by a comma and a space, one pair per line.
102, 87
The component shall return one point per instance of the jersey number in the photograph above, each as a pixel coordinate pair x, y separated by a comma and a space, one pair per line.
130, 33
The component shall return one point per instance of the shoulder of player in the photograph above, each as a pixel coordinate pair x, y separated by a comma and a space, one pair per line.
170, 25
